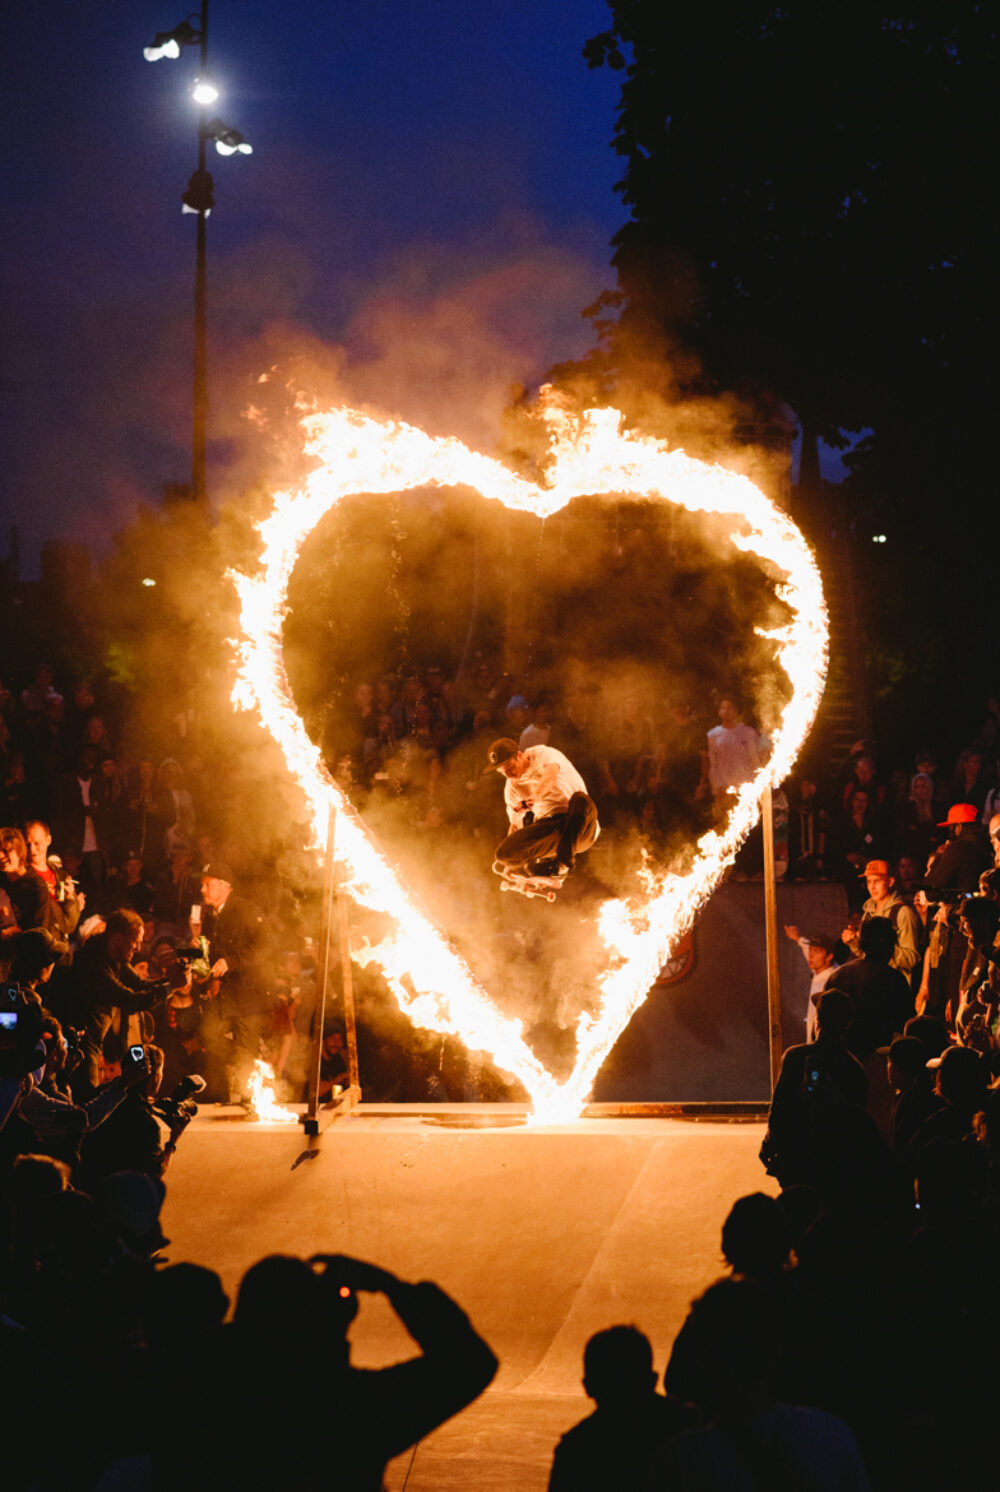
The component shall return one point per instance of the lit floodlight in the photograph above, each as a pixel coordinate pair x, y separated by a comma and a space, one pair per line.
169, 43
204, 91
148, 582
227, 140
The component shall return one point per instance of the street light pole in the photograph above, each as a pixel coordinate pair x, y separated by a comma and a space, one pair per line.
199, 418
199, 199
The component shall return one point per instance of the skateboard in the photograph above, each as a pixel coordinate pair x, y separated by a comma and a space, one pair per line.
544, 887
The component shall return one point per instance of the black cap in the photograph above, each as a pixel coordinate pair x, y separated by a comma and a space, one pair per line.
217, 870
501, 751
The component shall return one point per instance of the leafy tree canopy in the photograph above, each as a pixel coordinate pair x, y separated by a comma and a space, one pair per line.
808, 186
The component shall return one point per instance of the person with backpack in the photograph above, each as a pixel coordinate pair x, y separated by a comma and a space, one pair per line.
885, 901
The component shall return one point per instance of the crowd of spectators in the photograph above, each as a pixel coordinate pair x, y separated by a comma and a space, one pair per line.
853, 1344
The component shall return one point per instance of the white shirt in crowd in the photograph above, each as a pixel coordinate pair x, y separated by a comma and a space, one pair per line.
89, 832
733, 756
819, 983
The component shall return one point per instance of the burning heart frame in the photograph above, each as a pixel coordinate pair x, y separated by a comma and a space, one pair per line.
591, 454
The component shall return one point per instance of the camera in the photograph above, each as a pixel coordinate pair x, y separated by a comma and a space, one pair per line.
74, 1047
188, 955
179, 1107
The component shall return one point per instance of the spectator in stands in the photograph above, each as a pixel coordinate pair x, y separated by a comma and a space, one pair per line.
404, 712
963, 857
885, 901
857, 839
968, 785
177, 887
68, 901
686, 794
917, 832
38, 693
142, 825
174, 805
28, 903
78, 819
808, 824
864, 777
733, 752
130, 888
614, 1446
538, 729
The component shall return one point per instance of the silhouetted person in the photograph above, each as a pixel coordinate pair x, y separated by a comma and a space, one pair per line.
879, 993
961, 1083
814, 1079
751, 1442
290, 1333
612, 1446
757, 1239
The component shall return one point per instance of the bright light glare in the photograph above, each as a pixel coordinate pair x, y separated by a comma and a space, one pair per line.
204, 91
147, 581
878, 538
226, 149
169, 49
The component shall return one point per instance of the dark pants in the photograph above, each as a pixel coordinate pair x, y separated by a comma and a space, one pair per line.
559, 836
232, 1040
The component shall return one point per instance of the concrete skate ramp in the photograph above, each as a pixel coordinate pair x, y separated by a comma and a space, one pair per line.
543, 1236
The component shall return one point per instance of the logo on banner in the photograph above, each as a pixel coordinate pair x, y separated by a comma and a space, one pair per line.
679, 964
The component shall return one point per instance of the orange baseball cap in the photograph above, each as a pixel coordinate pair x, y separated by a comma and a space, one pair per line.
960, 813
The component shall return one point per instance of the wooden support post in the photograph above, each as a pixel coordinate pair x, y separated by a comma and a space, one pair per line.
347, 979
775, 1045
334, 923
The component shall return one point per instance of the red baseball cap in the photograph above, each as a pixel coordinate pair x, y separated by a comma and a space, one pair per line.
960, 813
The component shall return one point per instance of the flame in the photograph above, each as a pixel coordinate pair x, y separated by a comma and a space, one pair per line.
591, 454
262, 1101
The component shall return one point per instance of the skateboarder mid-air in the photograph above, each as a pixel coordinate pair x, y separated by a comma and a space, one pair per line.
552, 817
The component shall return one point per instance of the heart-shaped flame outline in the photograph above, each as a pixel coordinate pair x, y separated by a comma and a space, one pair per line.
591, 455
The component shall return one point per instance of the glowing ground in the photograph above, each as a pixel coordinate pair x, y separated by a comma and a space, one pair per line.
543, 1236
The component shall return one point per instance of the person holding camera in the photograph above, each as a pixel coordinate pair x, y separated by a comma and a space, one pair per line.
100, 986
296, 1311
142, 1132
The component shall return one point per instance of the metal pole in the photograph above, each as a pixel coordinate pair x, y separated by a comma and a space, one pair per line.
199, 421
775, 1045
322, 974
347, 980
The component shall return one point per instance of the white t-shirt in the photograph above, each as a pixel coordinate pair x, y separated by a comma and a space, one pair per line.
545, 786
733, 756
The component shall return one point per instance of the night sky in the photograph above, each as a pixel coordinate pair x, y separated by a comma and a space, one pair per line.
431, 188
